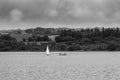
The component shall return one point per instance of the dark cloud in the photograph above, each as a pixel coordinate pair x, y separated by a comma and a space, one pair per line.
60, 11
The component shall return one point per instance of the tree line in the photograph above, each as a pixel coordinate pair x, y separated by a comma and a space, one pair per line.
95, 39
89, 39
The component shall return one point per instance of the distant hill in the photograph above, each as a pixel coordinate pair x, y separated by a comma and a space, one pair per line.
20, 34
42, 31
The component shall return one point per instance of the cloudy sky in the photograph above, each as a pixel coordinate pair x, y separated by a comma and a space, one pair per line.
59, 13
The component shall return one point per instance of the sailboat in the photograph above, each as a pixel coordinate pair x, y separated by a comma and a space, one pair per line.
47, 51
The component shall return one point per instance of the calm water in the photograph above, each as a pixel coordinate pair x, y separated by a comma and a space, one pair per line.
87, 58
74, 66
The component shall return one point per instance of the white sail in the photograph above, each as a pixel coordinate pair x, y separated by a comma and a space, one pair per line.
47, 50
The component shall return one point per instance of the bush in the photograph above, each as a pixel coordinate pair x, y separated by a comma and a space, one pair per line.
96, 40
35, 48
111, 38
21, 46
58, 39
101, 47
7, 43
68, 38
85, 41
68, 43
117, 49
6, 48
45, 38
61, 47
112, 46
74, 47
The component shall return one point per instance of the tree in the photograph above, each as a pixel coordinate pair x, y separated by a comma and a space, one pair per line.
61, 47
101, 47
19, 31
24, 40
45, 38
30, 39
58, 39
111, 38
96, 40
68, 43
68, 38
21, 46
39, 38
7, 43
85, 41
74, 47
112, 46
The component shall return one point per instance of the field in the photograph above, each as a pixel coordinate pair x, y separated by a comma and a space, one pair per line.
74, 66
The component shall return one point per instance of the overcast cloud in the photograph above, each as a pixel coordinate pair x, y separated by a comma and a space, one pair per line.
68, 12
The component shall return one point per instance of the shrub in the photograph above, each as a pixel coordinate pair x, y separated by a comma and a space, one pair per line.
68, 38
61, 46
111, 38
101, 47
58, 39
7, 43
112, 46
85, 41
6, 48
21, 46
96, 40
46, 38
68, 43
74, 47
117, 49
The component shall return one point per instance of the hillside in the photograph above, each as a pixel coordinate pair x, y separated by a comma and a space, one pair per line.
20, 36
42, 31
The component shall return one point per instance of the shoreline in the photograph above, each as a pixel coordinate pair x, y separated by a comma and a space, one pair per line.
53, 53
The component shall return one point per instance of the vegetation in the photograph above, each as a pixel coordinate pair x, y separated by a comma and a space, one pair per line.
94, 39
42, 31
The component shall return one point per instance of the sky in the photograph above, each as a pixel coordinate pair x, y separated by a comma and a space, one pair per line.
59, 13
